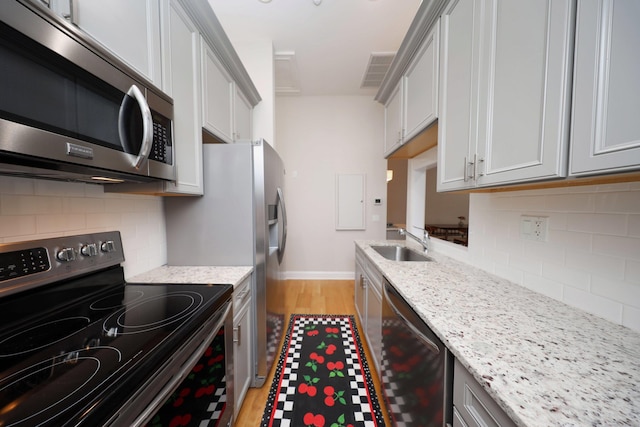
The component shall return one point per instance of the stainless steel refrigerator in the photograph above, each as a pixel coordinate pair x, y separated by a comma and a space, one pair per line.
240, 220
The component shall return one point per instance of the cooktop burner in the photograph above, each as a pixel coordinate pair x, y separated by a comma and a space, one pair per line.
72, 352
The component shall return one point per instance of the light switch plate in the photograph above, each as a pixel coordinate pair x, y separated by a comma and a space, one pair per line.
534, 227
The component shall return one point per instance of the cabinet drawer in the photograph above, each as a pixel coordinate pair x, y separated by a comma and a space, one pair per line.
473, 404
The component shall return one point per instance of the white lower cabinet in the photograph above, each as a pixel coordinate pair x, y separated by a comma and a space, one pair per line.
605, 133
241, 342
360, 291
472, 406
368, 299
374, 319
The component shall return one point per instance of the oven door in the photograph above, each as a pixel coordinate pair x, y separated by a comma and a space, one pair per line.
158, 395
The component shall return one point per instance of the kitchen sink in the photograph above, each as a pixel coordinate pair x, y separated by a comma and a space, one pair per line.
400, 253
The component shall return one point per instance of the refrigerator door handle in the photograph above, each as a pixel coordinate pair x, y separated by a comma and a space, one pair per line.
282, 244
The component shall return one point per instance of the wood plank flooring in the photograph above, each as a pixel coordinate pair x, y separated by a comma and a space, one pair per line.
308, 297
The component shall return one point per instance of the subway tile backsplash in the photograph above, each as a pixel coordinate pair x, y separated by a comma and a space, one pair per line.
37, 209
591, 259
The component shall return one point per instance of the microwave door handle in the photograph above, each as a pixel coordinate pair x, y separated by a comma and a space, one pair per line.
284, 225
147, 125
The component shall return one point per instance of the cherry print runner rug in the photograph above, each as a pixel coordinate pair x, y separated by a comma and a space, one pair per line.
322, 378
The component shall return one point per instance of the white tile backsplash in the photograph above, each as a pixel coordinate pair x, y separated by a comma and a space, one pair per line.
37, 209
592, 257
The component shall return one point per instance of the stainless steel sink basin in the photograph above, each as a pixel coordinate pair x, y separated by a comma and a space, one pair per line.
400, 253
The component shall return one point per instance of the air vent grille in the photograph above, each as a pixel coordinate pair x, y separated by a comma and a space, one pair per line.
377, 68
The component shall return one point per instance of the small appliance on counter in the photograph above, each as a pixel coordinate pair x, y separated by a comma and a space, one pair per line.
80, 346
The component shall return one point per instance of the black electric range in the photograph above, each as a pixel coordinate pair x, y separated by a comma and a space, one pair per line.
80, 346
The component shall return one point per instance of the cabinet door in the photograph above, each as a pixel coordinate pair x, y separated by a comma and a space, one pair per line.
184, 74
115, 24
525, 85
218, 93
393, 128
458, 94
605, 134
360, 292
242, 117
242, 355
374, 321
421, 85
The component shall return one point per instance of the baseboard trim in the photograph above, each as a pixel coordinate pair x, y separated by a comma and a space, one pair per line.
318, 275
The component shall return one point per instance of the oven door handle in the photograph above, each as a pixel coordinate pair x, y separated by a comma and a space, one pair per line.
166, 391
430, 344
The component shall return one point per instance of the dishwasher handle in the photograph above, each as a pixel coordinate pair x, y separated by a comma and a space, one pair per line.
422, 337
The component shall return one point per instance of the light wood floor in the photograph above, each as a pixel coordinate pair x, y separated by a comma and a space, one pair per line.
308, 297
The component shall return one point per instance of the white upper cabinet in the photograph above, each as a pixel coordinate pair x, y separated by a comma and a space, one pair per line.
227, 112
412, 105
218, 96
183, 72
421, 86
458, 93
504, 92
393, 120
242, 117
605, 133
130, 29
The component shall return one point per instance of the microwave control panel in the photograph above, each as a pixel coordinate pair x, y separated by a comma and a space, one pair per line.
162, 147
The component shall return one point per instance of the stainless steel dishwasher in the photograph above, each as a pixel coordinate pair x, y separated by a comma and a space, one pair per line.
416, 368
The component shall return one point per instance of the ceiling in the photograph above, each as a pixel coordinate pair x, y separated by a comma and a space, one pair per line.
321, 49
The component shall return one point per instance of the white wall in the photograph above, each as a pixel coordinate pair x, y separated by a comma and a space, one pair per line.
591, 259
36, 209
319, 137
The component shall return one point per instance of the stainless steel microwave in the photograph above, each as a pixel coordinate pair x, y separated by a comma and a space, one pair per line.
70, 110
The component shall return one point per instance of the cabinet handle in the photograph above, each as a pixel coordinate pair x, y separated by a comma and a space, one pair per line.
477, 168
464, 171
237, 334
71, 16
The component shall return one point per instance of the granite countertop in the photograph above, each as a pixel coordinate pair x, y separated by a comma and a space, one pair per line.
545, 363
195, 274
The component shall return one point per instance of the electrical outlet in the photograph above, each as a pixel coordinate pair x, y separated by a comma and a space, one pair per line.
534, 227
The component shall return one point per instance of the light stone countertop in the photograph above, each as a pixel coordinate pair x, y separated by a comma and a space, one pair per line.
545, 363
195, 274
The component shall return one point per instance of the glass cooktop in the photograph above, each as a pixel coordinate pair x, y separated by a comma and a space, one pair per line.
73, 352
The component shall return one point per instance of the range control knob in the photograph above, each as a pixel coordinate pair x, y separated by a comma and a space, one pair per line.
108, 246
89, 250
66, 254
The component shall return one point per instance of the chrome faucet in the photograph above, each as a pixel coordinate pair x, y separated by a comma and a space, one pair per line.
424, 241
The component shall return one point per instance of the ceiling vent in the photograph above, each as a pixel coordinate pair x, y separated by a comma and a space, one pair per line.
377, 68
